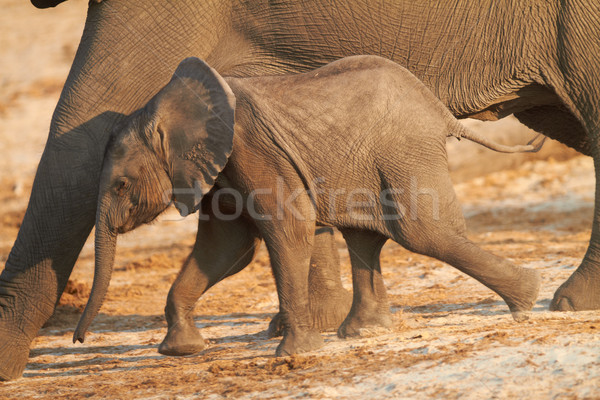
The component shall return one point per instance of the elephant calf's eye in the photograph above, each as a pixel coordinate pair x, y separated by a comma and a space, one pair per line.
121, 186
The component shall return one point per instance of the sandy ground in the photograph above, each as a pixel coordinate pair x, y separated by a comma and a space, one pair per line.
452, 338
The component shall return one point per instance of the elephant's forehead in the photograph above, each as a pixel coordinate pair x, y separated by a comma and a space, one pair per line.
128, 140
126, 146
126, 160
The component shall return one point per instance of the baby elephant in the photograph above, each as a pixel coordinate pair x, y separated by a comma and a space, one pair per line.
358, 144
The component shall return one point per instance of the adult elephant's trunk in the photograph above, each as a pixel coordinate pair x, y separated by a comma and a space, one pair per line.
46, 3
106, 241
120, 63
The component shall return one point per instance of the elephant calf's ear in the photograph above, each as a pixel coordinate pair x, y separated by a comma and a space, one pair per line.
196, 109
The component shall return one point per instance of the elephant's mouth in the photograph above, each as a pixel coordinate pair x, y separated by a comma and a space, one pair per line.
128, 226
140, 218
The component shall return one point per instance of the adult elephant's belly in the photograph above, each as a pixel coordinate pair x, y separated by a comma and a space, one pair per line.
515, 101
540, 109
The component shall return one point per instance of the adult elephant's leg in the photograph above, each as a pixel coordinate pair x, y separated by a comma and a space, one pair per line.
328, 301
222, 248
582, 290
58, 220
576, 79
117, 68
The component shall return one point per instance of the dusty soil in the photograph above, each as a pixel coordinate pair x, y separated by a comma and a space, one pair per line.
453, 338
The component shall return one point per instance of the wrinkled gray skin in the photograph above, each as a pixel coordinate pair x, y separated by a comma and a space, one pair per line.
384, 176
482, 59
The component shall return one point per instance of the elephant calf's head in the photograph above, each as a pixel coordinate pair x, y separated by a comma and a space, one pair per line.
135, 183
172, 149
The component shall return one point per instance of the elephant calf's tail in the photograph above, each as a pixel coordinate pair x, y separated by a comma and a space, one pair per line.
533, 146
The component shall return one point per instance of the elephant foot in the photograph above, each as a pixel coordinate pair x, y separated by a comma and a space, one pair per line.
182, 339
580, 292
276, 326
299, 342
522, 296
326, 313
363, 323
16, 356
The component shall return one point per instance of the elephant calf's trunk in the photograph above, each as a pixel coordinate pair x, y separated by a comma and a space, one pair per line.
106, 241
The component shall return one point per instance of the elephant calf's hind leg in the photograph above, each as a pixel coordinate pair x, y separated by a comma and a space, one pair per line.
518, 286
370, 307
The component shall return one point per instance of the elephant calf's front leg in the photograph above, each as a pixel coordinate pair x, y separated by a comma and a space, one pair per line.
222, 249
290, 244
290, 267
183, 338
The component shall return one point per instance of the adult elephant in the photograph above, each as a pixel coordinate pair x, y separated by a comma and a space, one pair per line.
483, 59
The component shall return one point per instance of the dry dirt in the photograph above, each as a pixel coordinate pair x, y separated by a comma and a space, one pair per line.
453, 338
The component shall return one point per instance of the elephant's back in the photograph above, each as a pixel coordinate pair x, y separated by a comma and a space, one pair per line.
367, 84
348, 75
346, 100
